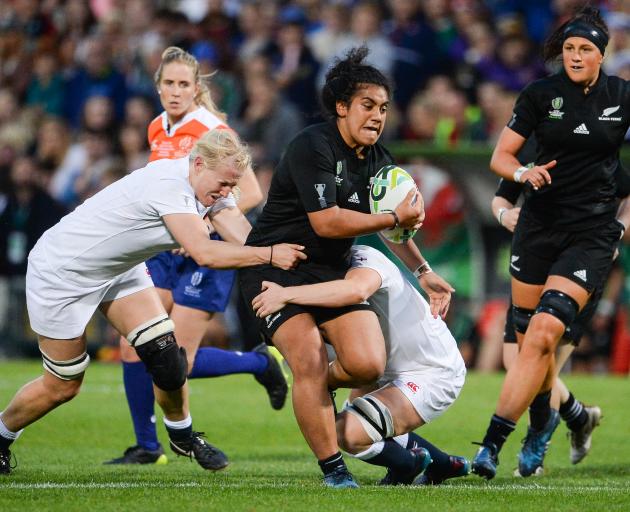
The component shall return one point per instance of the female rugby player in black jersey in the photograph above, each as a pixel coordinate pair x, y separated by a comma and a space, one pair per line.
566, 233
319, 196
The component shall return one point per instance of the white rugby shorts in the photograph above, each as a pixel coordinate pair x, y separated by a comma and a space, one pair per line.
61, 309
430, 392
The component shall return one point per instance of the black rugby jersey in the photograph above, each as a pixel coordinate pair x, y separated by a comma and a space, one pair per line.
318, 170
583, 132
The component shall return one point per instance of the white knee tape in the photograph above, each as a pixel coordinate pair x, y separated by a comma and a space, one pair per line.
374, 416
150, 330
67, 370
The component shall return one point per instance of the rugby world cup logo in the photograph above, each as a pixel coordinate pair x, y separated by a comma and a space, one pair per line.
196, 278
556, 105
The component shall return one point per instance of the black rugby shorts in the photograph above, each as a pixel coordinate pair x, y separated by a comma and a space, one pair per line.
584, 257
251, 278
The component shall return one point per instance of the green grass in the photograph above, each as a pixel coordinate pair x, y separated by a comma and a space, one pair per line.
59, 457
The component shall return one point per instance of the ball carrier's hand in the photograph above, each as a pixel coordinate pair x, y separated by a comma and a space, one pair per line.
410, 212
537, 176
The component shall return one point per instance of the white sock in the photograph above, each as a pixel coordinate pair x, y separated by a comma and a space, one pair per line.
6, 433
179, 425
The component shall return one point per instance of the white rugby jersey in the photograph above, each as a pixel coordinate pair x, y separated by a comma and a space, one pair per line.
121, 226
414, 340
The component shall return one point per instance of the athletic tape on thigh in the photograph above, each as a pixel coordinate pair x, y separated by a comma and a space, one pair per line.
150, 330
67, 370
374, 416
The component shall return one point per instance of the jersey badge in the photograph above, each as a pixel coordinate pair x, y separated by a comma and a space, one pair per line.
582, 130
338, 178
319, 188
607, 113
354, 198
556, 105
581, 274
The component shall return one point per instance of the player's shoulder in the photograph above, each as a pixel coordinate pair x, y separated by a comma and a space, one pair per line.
209, 121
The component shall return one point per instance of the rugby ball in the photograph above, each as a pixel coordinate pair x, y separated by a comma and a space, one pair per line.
389, 187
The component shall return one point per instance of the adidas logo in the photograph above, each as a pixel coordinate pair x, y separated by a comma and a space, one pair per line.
581, 274
582, 130
354, 198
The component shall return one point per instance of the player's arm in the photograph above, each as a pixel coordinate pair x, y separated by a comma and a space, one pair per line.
231, 225
250, 194
505, 212
191, 233
358, 285
505, 164
335, 222
436, 288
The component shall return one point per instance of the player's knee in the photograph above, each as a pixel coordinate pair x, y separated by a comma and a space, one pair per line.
68, 376
543, 335
561, 311
350, 433
364, 370
374, 416
521, 318
309, 365
155, 344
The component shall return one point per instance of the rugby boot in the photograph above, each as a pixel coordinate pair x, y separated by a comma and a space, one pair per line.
5, 461
535, 444
459, 466
139, 455
581, 439
272, 379
340, 478
207, 456
423, 459
486, 461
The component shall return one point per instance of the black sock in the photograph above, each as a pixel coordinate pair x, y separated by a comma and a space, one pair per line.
573, 413
332, 463
540, 410
498, 431
5, 443
441, 464
180, 436
395, 457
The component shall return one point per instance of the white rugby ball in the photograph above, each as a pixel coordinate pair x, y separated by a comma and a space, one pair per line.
390, 186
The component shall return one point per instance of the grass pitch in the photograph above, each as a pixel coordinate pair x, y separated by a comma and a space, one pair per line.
59, 457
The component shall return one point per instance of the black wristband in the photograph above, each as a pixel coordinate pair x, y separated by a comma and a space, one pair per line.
396, 219
271, 256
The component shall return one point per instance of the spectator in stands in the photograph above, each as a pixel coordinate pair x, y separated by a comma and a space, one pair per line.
45, 89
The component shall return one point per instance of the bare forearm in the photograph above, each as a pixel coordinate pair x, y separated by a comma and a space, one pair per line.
329, 294
218, 254
407, 252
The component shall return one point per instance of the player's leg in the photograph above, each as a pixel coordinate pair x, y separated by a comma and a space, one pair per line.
360, 347
65, 361
142, 317
199, 293
298, 339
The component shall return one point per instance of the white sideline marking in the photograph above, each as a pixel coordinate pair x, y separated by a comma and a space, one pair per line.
532, 488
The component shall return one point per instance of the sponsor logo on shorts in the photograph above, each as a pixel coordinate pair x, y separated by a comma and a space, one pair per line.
580, 274
413, 386
513, 260
196, 278
270, 319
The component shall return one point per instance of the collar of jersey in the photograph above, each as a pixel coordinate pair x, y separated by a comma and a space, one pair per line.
173, 129
601, 82
342, 143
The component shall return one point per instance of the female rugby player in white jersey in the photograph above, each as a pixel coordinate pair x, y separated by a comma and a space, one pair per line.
424, 371
94, 258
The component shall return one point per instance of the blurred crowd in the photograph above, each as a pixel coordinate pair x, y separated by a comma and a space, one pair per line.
77, 89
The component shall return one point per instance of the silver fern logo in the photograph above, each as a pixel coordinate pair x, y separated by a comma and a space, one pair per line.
608, 112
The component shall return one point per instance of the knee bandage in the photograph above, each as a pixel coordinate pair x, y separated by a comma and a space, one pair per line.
67, 370
155, 345
560, 305
374, 416
521, 317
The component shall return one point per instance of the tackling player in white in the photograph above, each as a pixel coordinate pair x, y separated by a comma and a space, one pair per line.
423, 376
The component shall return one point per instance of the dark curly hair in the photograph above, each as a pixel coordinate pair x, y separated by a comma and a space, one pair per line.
588, 15
347, 76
